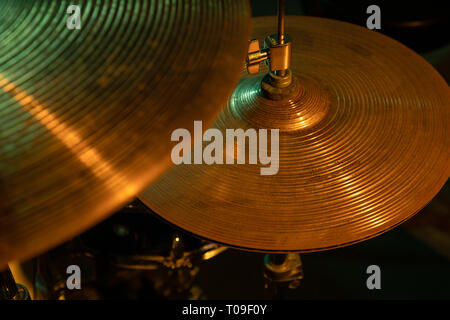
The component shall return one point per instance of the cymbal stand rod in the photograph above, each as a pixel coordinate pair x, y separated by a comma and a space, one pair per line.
281, 15
282, 268
279, 83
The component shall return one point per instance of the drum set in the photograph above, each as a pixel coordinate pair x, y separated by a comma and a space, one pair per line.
86, 117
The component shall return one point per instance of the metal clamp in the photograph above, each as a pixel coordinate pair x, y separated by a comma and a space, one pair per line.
276, 55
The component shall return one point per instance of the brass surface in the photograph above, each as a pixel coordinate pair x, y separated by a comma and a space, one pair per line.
86, 115
363, 147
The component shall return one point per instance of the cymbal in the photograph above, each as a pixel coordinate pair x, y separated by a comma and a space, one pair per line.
84, 113
363, 146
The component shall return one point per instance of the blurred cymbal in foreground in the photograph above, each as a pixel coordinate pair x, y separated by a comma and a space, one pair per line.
85, 114
364, 145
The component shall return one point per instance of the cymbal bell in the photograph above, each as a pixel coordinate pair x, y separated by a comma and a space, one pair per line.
84, 113
364, 145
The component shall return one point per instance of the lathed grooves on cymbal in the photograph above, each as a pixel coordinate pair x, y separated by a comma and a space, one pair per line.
363, 147
306, 108
86, 115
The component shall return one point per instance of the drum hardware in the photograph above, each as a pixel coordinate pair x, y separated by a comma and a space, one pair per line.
128, 250
282, 268
101, 277
279, 84
177, 258
9, 289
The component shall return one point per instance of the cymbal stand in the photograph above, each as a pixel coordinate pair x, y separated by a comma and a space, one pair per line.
9, 289
282, 269
279, 83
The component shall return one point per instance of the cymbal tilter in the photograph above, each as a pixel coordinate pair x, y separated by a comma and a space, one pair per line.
277, 51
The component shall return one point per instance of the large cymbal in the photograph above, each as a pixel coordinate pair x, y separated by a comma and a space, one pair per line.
85, 114
363, 147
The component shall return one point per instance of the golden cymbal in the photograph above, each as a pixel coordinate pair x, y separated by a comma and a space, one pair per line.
363, 146
85, 113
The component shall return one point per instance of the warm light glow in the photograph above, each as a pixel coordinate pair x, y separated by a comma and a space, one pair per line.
87, 154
